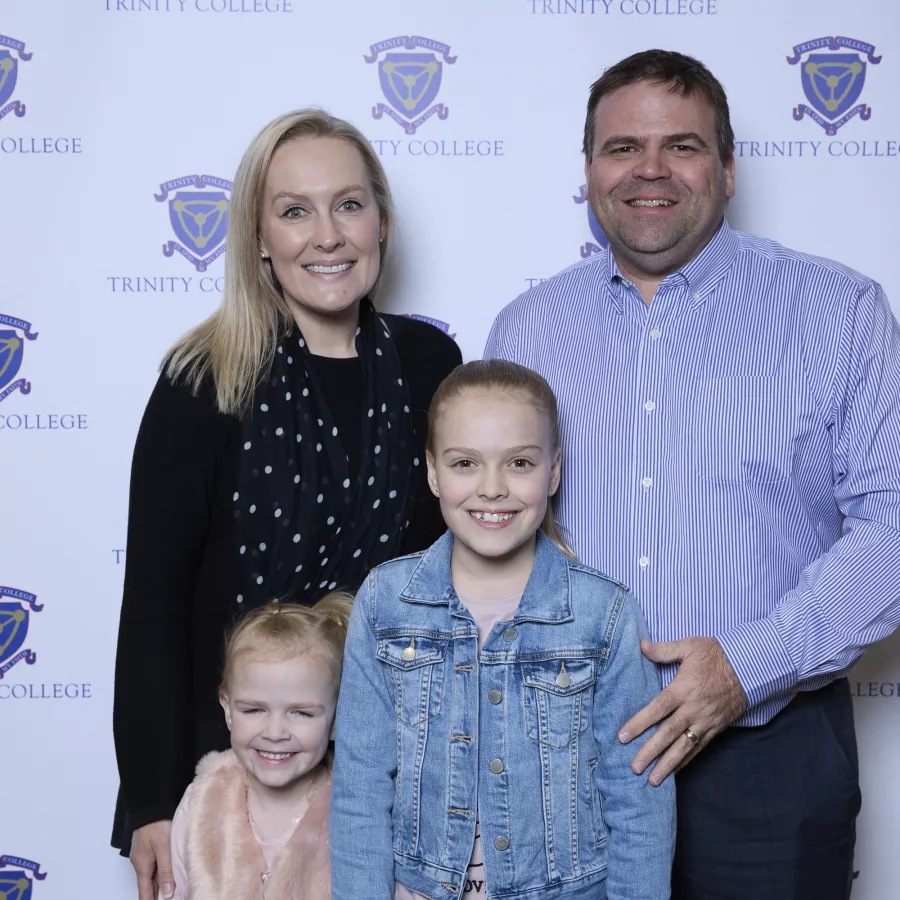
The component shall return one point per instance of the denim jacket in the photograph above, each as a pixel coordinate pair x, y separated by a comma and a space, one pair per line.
430, 733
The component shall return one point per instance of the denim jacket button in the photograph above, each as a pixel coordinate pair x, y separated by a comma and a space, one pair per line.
501, 843
496, 766
510, 634
495, 696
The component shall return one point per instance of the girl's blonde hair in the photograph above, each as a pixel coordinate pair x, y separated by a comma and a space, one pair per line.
287, 630
237, 342
502, 375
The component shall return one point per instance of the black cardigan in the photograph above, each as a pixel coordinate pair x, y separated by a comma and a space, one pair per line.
179, 575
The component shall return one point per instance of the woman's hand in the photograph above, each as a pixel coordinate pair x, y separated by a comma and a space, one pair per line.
151, 856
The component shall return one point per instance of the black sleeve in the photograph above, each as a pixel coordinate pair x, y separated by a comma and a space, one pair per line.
427, 356
172, 477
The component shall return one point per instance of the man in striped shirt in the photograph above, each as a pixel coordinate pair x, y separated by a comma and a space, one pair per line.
731, 435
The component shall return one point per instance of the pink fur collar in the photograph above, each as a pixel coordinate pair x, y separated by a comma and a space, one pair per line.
224, 860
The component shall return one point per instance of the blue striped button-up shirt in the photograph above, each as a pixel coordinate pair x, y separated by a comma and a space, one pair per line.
732, 451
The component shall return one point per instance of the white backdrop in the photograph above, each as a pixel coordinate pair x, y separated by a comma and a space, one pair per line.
102, 102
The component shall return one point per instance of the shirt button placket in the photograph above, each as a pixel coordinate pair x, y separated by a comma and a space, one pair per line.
646, 459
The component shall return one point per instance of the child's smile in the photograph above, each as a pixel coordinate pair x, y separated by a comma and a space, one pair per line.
280, 713
494, 468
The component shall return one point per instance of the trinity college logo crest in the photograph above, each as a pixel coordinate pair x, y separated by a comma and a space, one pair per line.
443, 326
199, 217
589, 249
410, 80
9, 75
15, 883
833, 81
14, 630
12, 350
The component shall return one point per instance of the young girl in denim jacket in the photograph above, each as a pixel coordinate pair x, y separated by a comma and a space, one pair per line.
484, 683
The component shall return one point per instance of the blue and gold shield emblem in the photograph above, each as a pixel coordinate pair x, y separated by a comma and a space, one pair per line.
15, 885
12, 352
833, 81
9, 75
589, 248
14, 628
410, 81
199, 218
14, 881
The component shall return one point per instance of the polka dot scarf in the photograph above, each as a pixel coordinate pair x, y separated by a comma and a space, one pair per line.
305, 524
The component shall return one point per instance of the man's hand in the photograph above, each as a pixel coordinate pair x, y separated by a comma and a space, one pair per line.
704, 696
151, 856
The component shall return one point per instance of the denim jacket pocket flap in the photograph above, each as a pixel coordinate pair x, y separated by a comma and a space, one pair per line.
408, 652
561, 677
417, 671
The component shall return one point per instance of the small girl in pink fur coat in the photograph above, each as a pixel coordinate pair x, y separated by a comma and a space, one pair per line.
253, 825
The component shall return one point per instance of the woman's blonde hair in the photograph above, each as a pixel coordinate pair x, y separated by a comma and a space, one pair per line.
502, 375
237, 342
287, 630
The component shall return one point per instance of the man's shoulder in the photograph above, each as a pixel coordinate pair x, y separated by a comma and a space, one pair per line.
802, 267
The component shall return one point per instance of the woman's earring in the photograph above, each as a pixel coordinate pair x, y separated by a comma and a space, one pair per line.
262, 255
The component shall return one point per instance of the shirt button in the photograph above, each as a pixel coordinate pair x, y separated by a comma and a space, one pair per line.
495, 696
696, 295
496, 766
501, 843
646, 481
655, 334
644, 561
510, 634
649, 406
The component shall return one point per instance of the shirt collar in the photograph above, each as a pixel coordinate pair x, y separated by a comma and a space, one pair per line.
699, 276
546, 597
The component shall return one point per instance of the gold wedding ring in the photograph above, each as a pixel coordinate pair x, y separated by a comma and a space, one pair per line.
693, 738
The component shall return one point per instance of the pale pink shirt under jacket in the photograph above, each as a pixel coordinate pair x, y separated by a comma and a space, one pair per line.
270, 845
486, 613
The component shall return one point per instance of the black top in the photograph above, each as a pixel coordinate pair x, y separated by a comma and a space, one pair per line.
179, 568
344, 389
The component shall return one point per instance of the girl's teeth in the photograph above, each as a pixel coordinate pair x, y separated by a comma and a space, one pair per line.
328, 270
493, 517
274, 756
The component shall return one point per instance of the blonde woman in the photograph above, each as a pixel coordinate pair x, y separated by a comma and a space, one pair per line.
281, 454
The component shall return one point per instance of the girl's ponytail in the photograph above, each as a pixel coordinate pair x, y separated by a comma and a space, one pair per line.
284, 630
334, 609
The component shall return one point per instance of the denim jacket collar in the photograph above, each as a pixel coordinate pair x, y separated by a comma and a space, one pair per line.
547, 593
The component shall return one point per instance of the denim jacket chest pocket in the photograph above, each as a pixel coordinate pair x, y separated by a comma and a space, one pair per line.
417, 667
558, 697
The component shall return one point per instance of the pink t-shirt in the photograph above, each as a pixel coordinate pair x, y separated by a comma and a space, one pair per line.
486, 613
269, 844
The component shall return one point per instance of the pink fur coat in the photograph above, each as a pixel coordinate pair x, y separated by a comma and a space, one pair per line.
222, 857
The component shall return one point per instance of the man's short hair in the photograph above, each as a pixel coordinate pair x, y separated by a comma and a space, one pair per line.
684, 74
